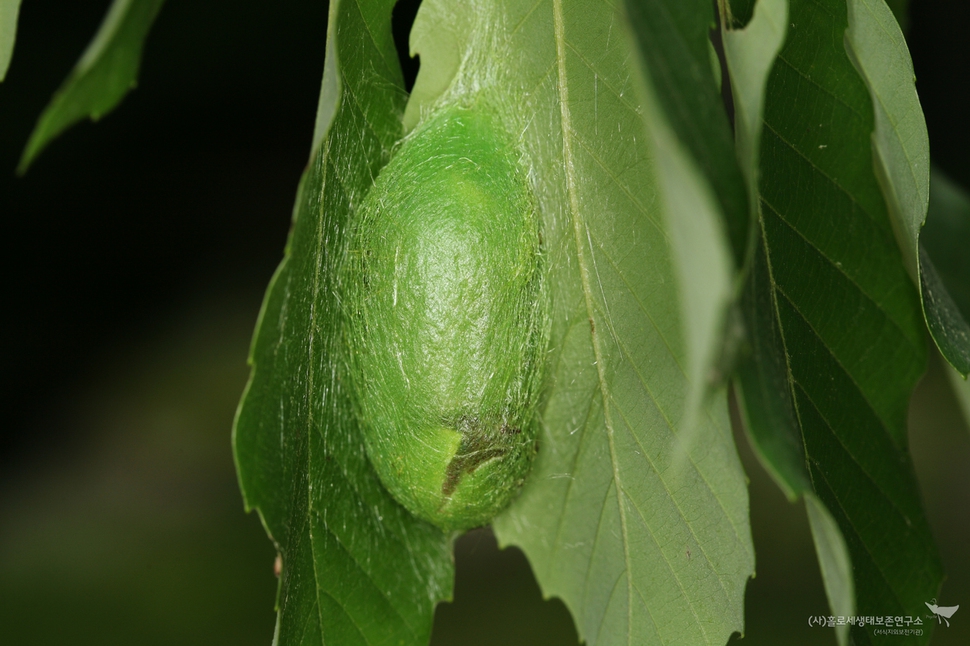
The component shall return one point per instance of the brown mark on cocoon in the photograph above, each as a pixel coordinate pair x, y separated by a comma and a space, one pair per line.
479, 444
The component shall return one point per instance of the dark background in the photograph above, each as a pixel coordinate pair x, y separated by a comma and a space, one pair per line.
135, 253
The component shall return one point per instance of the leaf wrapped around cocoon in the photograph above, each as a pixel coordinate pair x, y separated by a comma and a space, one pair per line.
445, 319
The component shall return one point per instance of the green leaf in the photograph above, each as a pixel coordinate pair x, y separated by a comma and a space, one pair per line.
101, 78
8, 33
900, 145
642, 534
847, 317
357, 567
947, 325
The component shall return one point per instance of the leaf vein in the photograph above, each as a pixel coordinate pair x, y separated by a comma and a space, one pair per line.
572, 478
646, 606
369, 577
622, 186
600, 528
609, 601
343, 608
602, 78
837, 359
821, 88
865, 546
878, 305
363, 117
525, 18
641, 305
309, 618
670, 568
848, 452
673, 499
670, 427
367, 28
828, 177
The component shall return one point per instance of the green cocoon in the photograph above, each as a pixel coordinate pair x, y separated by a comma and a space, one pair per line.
445, 319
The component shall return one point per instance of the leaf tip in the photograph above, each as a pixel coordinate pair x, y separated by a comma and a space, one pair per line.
31, 151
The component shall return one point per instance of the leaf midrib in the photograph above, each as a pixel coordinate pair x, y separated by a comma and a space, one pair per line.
566, 124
